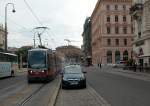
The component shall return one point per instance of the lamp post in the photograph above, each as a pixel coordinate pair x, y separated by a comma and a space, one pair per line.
13, 10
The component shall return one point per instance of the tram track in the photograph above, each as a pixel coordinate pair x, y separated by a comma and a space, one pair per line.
28, 98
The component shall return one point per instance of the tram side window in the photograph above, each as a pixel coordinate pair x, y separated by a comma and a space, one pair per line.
50, 63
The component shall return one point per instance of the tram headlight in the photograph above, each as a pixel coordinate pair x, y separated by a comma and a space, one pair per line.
30, 71
43, 71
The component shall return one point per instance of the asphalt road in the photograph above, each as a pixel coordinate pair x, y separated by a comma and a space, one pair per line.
79, 97
15, 91
119, 90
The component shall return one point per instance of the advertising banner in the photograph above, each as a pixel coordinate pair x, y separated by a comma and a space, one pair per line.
5, 69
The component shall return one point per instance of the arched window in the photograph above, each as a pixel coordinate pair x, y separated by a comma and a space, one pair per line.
125, 55
109, 56
117, 56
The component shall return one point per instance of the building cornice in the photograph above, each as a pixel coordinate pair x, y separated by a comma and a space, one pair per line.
99, 2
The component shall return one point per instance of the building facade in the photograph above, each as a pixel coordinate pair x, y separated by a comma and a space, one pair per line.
87, 49
2, 38
112, 31
140, 11
69, 54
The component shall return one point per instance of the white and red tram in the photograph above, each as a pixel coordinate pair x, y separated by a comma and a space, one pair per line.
43, 64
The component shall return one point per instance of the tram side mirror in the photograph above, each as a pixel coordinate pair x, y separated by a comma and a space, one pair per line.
84, 72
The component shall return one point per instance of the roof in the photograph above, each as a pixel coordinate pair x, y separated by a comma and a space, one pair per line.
8, 54
40, 49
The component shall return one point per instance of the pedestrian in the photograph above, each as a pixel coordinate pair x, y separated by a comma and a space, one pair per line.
134, 65
100, 65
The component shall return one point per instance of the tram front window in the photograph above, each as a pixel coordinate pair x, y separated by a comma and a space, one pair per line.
36, 59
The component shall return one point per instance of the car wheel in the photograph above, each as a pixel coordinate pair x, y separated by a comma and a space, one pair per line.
62, 86
84, 85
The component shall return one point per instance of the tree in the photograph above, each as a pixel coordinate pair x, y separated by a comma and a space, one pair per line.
23, 53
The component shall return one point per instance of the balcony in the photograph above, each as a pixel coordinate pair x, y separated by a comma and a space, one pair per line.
136, 10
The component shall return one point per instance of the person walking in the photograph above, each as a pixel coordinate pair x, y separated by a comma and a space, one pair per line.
135, 66
100, 65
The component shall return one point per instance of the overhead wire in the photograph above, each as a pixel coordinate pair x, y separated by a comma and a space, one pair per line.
38, 20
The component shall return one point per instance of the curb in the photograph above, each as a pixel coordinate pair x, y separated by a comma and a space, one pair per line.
137, 73
52, 100
22, 70
99, 98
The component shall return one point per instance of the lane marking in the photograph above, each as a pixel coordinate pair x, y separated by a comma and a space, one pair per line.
99, 98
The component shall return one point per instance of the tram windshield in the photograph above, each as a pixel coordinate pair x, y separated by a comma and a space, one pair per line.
36, 59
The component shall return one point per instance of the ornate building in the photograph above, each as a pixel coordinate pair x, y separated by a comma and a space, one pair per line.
2, 38
112, 31
140, 11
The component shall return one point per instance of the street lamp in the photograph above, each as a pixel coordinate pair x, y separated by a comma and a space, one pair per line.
13, 10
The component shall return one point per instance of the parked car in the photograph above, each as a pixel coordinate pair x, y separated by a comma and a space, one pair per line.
73, 77
119, 64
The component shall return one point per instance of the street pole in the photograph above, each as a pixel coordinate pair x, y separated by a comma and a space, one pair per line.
6, 32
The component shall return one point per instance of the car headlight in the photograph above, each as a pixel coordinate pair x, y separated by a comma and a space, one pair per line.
64, 79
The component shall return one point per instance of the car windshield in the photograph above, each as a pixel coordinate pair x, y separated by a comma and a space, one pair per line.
72, 70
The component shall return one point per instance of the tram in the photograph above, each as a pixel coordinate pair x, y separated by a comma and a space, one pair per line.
8, 64
43, 65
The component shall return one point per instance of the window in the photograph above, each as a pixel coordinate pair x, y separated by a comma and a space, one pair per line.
125, 30
116, 7
116, 30
116, 18
108, 7
132, 39
132, 30
125, 42
124, 18
109, 57
124, 7
108, 42
117, 42
108, 18
108, 30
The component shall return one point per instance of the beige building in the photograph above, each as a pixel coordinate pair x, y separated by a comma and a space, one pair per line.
69, 54
2, 37
140, 12
112, 31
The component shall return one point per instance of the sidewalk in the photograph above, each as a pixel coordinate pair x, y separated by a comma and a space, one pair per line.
22, 70
119, 71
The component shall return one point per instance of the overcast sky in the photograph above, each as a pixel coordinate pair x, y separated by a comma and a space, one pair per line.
64, 18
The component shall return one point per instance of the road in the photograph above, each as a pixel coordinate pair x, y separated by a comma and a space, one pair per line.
106, 86
119, 88
109, 86
15, 91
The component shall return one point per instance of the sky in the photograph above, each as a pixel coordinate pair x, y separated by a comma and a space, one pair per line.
64, 19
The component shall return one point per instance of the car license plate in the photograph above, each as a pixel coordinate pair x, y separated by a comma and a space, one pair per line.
74, 83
